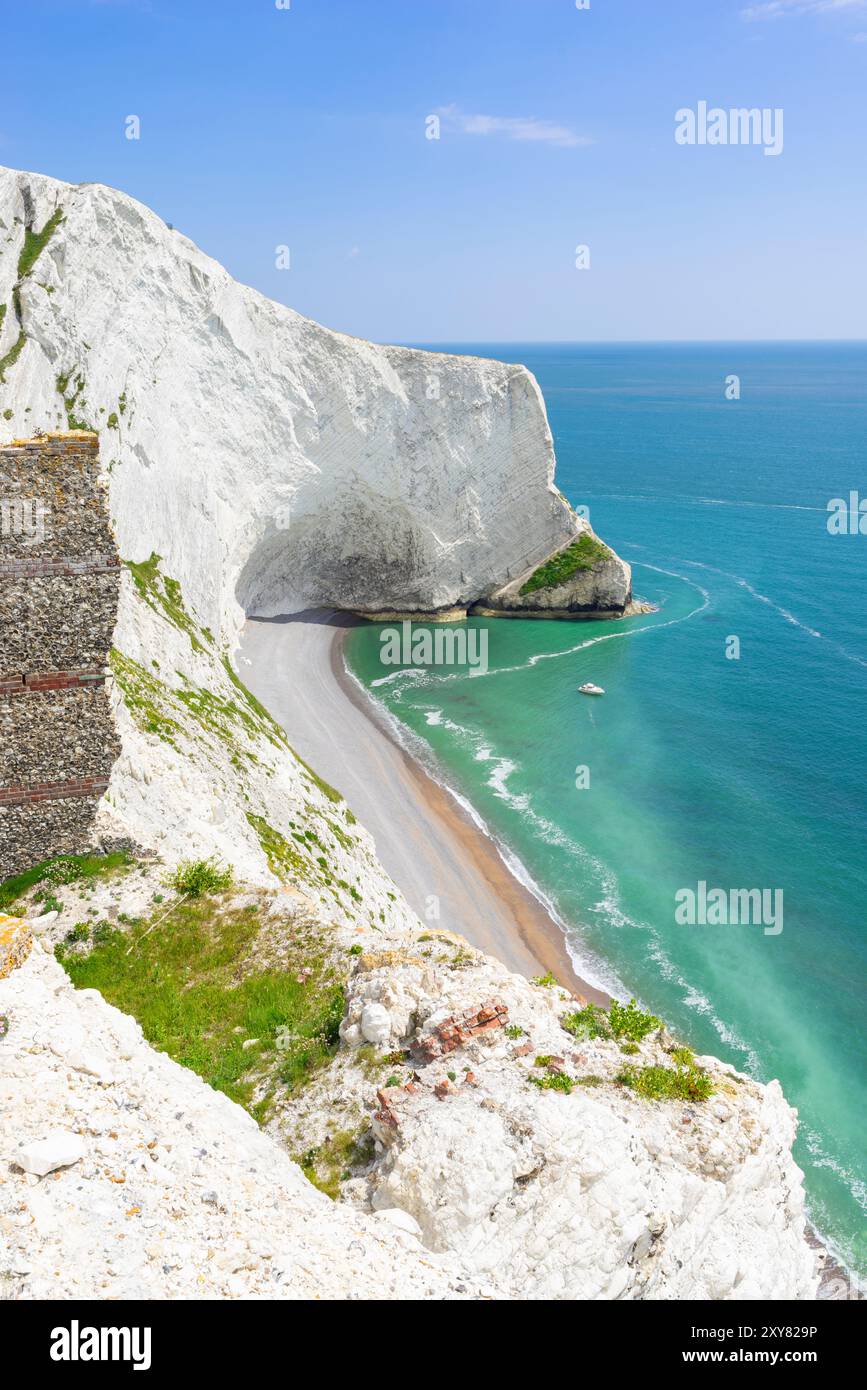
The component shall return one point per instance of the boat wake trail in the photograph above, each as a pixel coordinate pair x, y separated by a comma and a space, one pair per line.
784, 613
424, 676
703, 501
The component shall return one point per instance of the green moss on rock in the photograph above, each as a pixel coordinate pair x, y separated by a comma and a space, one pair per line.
36, 242
582, 554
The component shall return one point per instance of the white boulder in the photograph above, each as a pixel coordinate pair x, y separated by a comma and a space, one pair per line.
57, 1150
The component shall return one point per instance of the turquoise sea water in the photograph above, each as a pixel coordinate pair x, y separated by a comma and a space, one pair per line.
746, 773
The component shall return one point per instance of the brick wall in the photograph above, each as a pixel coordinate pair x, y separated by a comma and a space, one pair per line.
59, 579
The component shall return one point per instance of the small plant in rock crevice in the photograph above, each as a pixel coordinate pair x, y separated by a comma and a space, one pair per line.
554, 1081
49, 902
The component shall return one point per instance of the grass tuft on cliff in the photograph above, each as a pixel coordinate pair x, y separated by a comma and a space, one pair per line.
163, 595
667, 1083
36, 242
67, 868
195, 878
582, 554
192, 981
11, 357
621, 1021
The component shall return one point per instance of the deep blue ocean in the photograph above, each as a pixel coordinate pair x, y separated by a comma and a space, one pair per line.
741, 773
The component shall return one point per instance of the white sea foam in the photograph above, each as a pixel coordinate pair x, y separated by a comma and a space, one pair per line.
587, 965
427, 676
608, 906
684, 498
762, 598
822, 1159
779, 608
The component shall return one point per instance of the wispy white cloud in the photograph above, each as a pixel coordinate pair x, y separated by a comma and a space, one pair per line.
525, 128
779, 9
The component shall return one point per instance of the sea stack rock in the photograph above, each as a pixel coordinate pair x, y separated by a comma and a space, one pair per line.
582, 579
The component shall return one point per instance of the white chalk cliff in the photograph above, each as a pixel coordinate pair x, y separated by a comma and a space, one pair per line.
272, 463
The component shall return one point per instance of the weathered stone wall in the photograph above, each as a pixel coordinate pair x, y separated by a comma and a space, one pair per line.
69, 621
59, 580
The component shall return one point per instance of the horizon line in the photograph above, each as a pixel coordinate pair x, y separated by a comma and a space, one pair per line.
615, 342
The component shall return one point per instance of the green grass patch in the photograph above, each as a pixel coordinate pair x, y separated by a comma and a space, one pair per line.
62, 869
36, 242
582, 554
163, 594
333, 1161
283, 859
145, 697
586, 1023
158, 709
11, 357
181, 980
628, 1021
73, 400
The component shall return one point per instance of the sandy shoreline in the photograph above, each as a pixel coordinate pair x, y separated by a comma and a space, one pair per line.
427, 843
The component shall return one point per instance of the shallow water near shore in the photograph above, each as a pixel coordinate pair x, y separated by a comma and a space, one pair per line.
742, 774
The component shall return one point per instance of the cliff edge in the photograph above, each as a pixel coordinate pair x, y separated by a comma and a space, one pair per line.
272, 463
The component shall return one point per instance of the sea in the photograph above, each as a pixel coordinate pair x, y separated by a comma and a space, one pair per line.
730, 747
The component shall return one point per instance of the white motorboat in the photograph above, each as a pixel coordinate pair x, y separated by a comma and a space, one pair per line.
590, 689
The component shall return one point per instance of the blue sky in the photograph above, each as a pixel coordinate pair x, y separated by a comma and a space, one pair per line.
306, 127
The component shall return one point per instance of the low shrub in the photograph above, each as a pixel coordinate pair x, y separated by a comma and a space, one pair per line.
667, 1083
194, 878
589, 1022
628, 1021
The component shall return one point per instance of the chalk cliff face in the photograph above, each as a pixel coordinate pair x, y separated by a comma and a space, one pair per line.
271, 462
